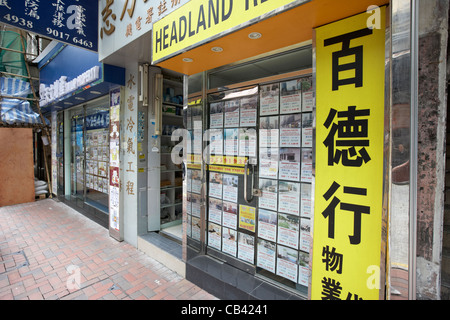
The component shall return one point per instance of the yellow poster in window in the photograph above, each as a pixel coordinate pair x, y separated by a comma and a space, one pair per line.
349, 158
247, 218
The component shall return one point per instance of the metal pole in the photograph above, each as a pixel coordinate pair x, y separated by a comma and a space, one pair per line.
204, 190
414, 148
18, 75
18, 98
17, 51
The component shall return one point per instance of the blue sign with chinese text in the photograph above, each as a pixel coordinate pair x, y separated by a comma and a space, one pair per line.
71, 21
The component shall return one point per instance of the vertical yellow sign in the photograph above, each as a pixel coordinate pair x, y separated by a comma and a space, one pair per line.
349, 158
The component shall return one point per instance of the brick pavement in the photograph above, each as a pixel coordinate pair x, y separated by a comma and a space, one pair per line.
49, 251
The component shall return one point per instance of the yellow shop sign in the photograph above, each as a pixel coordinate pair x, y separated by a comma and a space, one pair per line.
349, 159
199, 21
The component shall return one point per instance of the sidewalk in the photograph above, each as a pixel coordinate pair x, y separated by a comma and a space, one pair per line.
49, 251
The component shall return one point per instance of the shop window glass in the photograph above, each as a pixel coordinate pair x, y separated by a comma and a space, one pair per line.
90, 153
298, 59
97, 156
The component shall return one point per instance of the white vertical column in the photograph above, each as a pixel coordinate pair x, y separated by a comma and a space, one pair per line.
129, 153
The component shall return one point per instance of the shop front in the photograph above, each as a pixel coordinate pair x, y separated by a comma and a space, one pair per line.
288, 115
257, 164
77, 94
151, 111
278, 138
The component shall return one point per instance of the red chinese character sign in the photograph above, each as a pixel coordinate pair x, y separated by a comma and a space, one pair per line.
349, 158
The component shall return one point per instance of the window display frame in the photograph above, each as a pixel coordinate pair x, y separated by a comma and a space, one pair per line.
81, 201
213, 249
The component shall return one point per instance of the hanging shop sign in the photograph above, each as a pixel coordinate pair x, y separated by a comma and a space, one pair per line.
201, 21
349, 158
63, 86
122, 21
58, 79
69, 21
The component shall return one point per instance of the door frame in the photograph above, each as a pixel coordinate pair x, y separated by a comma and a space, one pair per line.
200, 247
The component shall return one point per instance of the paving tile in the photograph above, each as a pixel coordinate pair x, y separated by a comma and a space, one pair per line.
35, 296
6, 295
54, 239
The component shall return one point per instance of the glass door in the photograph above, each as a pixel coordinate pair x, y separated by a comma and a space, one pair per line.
284, 181
250, 166
258, 154
90, 154
260, 177
78, 152
232, 158
97, 155
193, 192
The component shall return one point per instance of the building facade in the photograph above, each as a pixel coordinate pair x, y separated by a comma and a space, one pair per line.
297, 147
76, 95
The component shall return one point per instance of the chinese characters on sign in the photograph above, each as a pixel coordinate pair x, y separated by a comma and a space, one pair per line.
31, 8
108, 27
125, 14
130, 134
349, 159
351, 133
123, 21
356, 52
330, 212
70, 21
